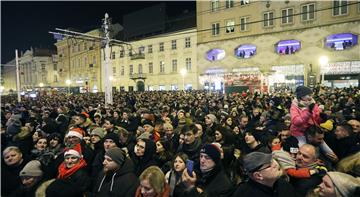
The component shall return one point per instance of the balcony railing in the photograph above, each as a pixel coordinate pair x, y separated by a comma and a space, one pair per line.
138, 76
136, 56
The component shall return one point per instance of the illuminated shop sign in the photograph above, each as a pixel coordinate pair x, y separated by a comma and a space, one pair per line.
342, 68
287, 47
342, 41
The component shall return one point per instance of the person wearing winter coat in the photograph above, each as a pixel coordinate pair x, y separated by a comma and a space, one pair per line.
12, 163
118, 177
73, 179
143, 157
340, 185
31, 178
211, 180
264, 178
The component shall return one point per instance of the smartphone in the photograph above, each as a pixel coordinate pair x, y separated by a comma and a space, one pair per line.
189, 166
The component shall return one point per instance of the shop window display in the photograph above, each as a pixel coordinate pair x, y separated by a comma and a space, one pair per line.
287, 47
215, 54
341, 41
245, 51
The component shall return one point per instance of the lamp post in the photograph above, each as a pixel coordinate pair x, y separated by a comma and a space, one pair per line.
68, 82
323, 61
183, 73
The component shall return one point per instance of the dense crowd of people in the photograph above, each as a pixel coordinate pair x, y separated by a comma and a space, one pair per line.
183, 143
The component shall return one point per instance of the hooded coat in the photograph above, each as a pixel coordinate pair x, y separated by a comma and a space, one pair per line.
148, 159
121, 183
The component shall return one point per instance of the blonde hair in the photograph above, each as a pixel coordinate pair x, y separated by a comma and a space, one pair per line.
11, 148
168, 126
155, 177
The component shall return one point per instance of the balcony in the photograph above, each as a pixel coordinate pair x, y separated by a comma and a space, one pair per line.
137, 56
136, 76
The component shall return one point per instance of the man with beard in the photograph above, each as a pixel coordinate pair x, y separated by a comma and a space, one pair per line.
117, 177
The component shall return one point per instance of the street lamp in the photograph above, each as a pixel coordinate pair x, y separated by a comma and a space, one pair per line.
183, 73
323, 61
68, 82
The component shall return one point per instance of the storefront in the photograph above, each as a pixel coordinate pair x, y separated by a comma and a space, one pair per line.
286, 77
341, 74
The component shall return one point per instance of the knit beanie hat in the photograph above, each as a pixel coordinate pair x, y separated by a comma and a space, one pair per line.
99, 132
77, 132
32, 169
213, 118
116, 154
212, 151
114, 137
344, 184
302, 91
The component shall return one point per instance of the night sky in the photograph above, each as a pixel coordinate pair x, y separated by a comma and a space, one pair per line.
26, 24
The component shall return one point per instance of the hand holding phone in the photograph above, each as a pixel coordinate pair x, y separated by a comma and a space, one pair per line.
190, 166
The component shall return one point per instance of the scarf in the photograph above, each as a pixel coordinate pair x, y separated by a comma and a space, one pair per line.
65, 172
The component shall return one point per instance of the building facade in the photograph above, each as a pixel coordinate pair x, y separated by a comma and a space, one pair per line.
263, 45
78, 64
36, 69
8, 77
163, 62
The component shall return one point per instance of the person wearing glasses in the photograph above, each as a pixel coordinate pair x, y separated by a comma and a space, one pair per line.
264, 177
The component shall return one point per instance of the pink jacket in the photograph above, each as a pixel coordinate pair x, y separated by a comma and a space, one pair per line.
301, 119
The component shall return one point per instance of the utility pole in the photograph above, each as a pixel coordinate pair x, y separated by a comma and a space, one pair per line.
17, 76
106, 39
108, 86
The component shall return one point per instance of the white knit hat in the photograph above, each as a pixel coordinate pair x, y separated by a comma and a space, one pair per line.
344, 184
72, 152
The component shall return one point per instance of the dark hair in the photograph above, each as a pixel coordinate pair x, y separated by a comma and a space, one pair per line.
313, 130
190, 127
347, 127
182, 155
111, 120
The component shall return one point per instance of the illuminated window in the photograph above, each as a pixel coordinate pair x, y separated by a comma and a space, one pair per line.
230, 26
287, 47
245, 51
215, 54
342, 41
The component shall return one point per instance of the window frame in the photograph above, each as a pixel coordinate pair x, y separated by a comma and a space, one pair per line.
162, 67
268, 20
308, 13
287, 16
214, 5
187, 42
227, 26
188, 63
161, 47
229, 4
131, 69
245, 25
173, 45
150, 48
151, 68
215, 29
174, 65
340, 8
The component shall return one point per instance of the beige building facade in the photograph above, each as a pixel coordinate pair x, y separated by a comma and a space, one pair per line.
163, 62
78, 64
268, 44
36, 69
